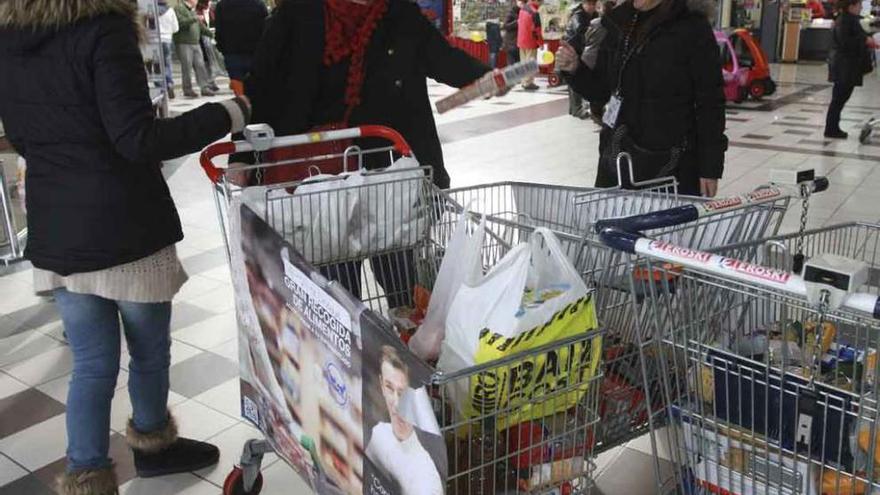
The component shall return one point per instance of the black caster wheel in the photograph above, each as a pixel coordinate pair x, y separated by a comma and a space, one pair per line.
234, 484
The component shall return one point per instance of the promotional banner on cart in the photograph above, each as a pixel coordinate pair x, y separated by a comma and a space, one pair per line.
327, 381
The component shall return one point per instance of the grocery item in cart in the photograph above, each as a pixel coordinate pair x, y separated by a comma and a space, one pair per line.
333, 217
488, 320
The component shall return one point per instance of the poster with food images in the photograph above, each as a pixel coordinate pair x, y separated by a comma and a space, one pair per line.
328, 382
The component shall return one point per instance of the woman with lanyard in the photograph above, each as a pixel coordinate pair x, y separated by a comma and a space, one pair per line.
656, 63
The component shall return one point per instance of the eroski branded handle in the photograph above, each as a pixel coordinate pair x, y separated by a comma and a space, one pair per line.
688, 213
623, 234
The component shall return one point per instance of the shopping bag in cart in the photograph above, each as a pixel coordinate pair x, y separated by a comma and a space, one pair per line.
461, 261
391, 206
531, 297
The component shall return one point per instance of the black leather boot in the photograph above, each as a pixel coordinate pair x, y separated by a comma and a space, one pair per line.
162, 452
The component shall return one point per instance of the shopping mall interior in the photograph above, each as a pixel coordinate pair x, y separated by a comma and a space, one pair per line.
523, 136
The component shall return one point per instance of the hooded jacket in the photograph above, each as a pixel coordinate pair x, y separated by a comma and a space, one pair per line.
672, 89
75, 104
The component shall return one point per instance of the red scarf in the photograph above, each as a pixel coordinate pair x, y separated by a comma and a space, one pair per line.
348, 27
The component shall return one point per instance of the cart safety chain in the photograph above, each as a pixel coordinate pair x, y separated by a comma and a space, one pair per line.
258, 160
814, 367
798, 263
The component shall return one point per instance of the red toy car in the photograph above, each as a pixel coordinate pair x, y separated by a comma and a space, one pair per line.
752, 57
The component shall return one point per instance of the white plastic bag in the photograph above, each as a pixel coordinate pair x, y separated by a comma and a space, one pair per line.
391, 206
460, 262
495, 308
320, 217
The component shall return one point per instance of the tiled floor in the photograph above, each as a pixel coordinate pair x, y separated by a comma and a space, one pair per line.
520, 137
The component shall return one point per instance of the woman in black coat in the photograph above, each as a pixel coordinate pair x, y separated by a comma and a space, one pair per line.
849, 61
348, 63
296, 83
101, 222
656, 62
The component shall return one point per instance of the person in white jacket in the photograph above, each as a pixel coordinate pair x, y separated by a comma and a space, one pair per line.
167, 27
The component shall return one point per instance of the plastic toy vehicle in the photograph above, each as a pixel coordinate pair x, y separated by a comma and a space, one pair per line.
750, 55
736, 78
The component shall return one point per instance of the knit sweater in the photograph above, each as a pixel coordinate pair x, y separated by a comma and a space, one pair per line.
154, 279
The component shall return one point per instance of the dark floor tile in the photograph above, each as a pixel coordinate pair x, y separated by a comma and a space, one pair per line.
486, 124
201, 373
815, 142
502, 103
811, 110
205, 261
738, 119
184, 315
795, 117
796, 132
26, 409
16, 267
120, 453
797, 125
762, 137
29, 485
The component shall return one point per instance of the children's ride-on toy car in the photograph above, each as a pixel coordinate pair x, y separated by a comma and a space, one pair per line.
750, 55
735, 77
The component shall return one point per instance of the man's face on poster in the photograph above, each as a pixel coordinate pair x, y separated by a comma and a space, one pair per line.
395, 382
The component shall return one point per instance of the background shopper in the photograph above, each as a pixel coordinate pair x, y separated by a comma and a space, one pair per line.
656, 63
101, 222
189, 51
167, 27
578, 22
495, 41
239, 25
530, 37
511, 28
850, 60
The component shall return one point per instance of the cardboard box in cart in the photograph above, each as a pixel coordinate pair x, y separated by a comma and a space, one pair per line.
728, 467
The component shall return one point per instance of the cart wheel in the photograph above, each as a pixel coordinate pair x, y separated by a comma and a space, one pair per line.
757, 90
865, 135
769, 86
553, 80
234, 484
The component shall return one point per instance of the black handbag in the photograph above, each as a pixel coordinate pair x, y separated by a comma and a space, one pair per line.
647, 164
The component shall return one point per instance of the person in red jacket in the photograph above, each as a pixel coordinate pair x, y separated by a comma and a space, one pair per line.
530, 37
817, 9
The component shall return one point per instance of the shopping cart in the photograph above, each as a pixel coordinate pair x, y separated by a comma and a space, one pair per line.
495, 451
769, 375
632, 369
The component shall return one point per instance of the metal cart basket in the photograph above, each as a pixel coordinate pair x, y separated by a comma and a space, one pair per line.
401, 226
770, 376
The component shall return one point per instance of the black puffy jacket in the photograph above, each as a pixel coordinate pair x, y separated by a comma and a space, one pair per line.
293, 91
672, 89
850, 57
578, 22
75, 104
239, 26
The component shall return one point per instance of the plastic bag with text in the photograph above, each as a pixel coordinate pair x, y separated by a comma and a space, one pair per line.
532, 297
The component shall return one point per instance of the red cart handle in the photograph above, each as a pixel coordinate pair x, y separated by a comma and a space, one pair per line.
215, 173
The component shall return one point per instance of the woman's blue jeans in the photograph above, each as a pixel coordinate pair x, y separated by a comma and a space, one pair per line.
93, 330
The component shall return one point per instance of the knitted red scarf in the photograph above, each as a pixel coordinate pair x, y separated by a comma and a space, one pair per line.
348, 28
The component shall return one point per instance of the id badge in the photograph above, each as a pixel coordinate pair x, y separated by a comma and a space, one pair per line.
612, 111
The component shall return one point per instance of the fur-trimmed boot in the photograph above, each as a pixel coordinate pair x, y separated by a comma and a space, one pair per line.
162, 452
89, 482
